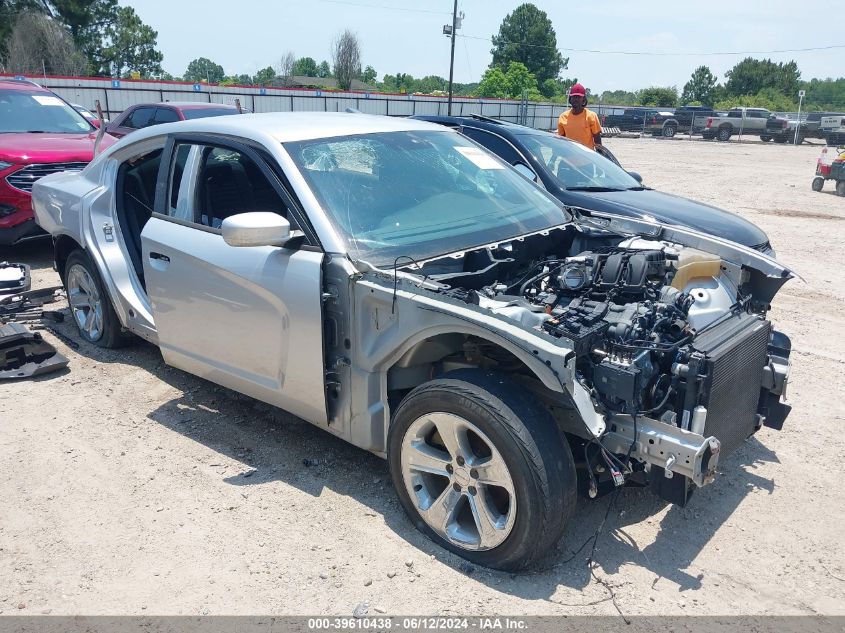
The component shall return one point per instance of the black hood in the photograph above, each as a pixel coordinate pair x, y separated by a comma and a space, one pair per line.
668, 209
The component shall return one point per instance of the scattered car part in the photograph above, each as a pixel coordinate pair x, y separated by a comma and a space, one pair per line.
14, 278
24, 354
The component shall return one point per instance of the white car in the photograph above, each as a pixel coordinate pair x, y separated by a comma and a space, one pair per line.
394, 284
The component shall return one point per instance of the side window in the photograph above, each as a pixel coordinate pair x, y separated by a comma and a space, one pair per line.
166, 115
495, 144
141, 117
208, 184
735, 114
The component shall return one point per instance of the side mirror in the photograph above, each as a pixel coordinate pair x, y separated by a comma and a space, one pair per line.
257, 228
525, 171
636, 176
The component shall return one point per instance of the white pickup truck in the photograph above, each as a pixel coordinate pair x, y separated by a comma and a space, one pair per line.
737, 121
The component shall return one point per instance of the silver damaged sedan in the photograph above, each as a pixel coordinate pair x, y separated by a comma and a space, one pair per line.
394, 284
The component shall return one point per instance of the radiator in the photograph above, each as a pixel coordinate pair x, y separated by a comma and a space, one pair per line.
735, 355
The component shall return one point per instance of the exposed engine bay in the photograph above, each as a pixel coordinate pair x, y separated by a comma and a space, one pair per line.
661, 333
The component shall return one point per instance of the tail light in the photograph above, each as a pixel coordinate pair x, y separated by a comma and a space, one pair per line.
654, 120
709, 122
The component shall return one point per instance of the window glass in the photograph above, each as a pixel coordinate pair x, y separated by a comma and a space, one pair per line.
574, 166
166, 115
499, 146
38, 111
419, 194
735, 114
208, 184
141, 117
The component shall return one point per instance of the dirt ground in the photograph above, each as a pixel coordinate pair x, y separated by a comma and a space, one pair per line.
128, 487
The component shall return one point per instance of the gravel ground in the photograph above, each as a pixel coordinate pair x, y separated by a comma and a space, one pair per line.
129, 487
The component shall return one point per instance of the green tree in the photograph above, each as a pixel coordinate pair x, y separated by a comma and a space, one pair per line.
493, 84
129, 46
512, 84
203, 69
264, 76
305, 67
369, 75
824, 94
655, 96
527, 36
324, 70
618, 97
701, 87
751, 75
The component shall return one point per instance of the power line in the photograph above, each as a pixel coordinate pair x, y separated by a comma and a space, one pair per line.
384, 6
662, 54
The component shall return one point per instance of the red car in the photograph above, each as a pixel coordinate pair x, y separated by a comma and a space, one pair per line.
146, 114
40, 134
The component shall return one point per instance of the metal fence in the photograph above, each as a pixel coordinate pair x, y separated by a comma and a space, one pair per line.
115, 95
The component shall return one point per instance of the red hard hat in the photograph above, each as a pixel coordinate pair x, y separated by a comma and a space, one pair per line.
577, 90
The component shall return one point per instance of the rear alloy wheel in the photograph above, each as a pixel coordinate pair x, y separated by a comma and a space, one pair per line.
90, 304
669, 131
480, 468
818, 183
840, 187
724, 134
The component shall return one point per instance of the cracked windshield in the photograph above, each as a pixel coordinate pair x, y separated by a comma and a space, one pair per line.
419, 194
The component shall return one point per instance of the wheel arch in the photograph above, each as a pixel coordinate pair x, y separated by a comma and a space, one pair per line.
433, 344
63, 246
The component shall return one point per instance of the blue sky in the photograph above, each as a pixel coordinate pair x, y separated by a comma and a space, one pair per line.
406, 36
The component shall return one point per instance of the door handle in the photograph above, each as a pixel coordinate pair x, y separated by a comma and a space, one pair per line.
162, 258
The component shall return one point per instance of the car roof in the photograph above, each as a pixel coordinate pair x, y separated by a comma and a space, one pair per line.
485, 123
192, 105
285, 127
22, 84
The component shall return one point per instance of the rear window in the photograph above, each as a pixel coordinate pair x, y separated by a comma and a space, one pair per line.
200, 113
38, 111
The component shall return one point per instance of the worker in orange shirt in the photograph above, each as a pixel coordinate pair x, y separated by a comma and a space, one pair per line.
578, 123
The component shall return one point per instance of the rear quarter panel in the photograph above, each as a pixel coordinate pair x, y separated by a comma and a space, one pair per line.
57, 202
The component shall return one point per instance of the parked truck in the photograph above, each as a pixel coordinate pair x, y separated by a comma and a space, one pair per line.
751, 121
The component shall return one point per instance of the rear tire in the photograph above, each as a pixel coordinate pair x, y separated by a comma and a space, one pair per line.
780, 139
90, 304
724, 134
840, 187
818, 183
669, 131
765, 138
487, 421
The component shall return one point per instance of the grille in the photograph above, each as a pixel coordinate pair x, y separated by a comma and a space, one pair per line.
735, 358
23, 178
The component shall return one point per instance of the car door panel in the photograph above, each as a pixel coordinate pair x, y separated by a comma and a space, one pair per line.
248, 318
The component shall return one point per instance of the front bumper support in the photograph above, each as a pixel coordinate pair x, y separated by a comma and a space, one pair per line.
674, 450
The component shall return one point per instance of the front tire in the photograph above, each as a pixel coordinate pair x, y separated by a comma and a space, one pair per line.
481, 469
90, 304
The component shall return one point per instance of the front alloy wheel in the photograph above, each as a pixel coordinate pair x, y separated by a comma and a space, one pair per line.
481, 469
459, 482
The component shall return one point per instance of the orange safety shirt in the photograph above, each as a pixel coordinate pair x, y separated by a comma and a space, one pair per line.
579, 127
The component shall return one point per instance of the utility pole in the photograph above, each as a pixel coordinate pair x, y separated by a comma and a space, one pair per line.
452, 59
798, 124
